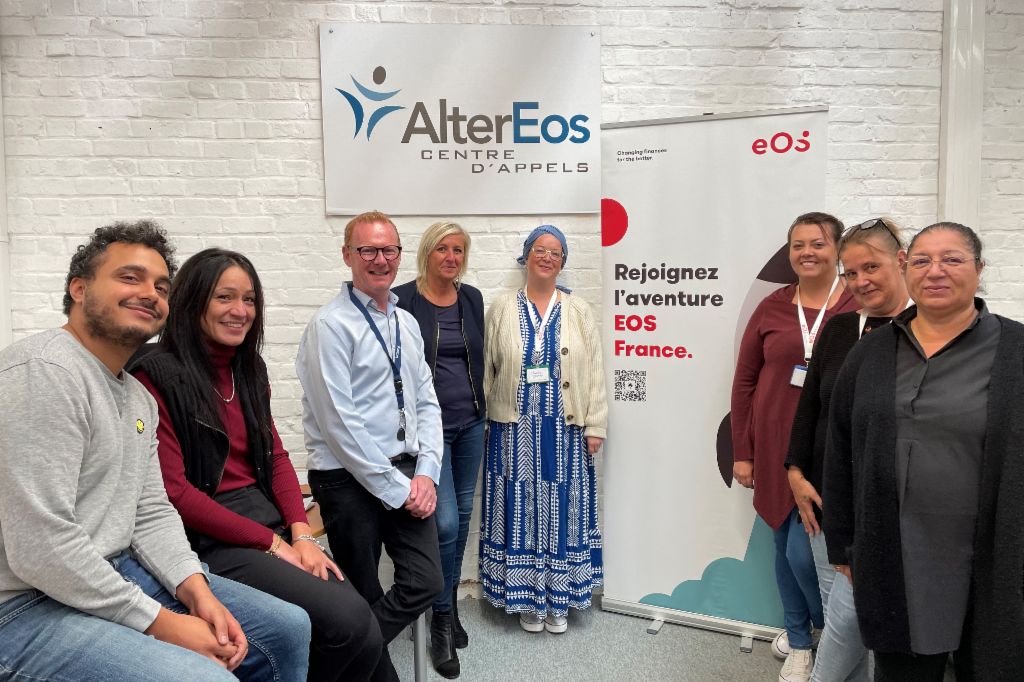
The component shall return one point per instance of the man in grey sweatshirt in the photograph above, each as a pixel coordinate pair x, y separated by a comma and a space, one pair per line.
93, 557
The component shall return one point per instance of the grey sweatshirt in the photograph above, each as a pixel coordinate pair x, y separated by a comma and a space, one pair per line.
80, 483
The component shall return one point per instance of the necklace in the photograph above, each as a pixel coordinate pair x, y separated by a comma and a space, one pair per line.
232, 397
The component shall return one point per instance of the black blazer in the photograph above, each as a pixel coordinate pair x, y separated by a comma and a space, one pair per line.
861, 517
471, 311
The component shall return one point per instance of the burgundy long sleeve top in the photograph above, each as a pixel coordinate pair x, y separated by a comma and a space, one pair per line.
763, 399
202, 513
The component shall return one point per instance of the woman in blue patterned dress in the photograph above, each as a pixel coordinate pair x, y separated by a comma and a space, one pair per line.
540, 546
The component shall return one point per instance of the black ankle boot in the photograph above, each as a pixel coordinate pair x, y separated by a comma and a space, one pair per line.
459, 633
442, 647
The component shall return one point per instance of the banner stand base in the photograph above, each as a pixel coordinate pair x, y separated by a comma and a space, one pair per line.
746, 631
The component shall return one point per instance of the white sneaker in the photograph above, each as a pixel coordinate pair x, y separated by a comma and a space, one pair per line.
556, 624
780, 646
797, 667
531, 622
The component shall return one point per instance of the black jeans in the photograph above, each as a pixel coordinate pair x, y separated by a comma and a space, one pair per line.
357, 525
346, 643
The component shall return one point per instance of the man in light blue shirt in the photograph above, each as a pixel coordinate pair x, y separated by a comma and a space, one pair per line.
373, 432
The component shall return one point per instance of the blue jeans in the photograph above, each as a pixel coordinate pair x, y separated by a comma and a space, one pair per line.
460, 469
43, 639
797, 581
841, 653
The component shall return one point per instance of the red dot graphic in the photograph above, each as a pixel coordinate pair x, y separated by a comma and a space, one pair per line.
614, 222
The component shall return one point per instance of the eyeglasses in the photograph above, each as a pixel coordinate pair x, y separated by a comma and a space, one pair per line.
870, 225
540, 252
950, 262
369, 253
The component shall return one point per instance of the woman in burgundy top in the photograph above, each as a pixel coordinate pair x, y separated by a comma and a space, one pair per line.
226, 470
774, 354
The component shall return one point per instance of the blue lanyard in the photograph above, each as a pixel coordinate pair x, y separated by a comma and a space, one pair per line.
396, 362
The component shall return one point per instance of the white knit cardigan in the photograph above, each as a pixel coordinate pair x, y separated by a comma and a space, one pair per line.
582, 370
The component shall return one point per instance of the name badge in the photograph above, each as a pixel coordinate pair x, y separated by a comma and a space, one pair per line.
537, 374
799, 374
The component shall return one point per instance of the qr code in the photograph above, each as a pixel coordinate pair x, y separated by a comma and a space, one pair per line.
631, 385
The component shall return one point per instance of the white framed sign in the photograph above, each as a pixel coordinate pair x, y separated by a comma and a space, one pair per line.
461, 119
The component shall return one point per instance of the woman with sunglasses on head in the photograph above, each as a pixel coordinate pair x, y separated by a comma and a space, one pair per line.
540, 546
923, 474
776, 348
226, 470
873, 257
450, 314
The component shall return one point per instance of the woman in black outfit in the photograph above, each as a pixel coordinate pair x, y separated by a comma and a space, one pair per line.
226, 470
451, 318
924, 471
873, 257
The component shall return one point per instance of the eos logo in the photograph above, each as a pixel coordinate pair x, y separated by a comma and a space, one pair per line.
782, 143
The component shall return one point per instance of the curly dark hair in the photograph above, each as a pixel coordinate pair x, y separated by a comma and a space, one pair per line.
86, 258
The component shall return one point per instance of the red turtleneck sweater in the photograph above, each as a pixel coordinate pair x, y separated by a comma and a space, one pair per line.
200, 512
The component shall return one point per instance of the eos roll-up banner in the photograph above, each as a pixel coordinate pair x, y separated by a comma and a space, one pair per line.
694, 221
437, 119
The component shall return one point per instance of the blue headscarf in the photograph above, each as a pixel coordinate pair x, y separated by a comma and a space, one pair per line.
537, 232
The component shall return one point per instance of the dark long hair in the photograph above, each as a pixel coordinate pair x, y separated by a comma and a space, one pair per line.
183, 335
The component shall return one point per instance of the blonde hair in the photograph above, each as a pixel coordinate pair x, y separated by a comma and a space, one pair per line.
432, 236
883, 230
368, 217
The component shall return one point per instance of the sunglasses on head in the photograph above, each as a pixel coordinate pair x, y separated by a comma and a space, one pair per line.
870, 225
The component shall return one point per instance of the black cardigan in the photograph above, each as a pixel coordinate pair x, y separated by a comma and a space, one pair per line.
810, 423
862, 512
471, 310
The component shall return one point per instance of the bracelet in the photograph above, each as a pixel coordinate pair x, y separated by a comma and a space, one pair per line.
309, 538
275, 545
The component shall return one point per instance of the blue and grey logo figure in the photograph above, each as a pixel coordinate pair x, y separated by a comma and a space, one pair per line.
379, 75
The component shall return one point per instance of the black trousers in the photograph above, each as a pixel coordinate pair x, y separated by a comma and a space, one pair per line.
357, 525
891, 667
346, 642
897, 667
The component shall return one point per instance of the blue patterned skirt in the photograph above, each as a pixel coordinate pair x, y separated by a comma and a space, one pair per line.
540, 545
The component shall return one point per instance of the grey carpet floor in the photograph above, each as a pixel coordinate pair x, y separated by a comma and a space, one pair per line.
598, 646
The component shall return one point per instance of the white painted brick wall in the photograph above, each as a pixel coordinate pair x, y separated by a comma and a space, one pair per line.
205, 115
1002, 169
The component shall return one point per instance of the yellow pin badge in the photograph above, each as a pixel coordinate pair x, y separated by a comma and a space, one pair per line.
140, 425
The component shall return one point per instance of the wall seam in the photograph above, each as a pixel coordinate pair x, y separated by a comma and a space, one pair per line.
6, 321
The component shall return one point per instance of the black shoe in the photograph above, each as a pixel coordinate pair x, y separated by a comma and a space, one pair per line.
442, 646
459, 633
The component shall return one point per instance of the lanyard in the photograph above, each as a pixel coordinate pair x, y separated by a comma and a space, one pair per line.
860, 325
396, 362
543, 323
809, 336
864, 318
